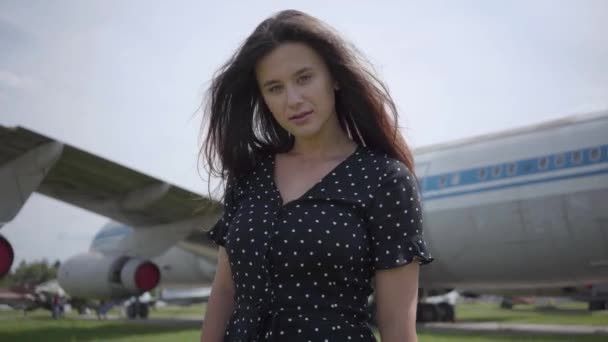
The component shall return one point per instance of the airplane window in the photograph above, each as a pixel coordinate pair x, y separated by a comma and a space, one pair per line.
559, 160
577, 157
595, 154
497, 170
511, 169
443, 181
482, 173
455, 178
542, 163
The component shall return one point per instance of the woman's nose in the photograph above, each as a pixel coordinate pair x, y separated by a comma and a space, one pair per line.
294, 96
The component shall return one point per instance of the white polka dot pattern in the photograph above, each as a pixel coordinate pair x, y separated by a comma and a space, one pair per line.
302, 270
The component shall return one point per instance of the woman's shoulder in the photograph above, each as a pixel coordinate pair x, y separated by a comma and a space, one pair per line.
382, 164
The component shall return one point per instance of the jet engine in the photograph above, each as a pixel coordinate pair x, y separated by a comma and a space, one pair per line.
97, 276
6, 256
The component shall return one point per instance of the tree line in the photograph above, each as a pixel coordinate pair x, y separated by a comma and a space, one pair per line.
30, 274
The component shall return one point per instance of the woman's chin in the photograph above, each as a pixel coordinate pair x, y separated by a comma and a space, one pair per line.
305, 133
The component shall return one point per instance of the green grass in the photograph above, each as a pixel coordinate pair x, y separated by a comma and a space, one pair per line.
179, 311
165, 312
494, 337
39, 327
564, 314
67, 330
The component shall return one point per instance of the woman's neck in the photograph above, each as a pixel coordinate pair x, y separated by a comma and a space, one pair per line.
330, 146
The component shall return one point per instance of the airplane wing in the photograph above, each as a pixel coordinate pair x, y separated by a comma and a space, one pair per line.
104, 187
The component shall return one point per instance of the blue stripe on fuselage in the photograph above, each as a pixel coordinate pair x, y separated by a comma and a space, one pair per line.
486, 176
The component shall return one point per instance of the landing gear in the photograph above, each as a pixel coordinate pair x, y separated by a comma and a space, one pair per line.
596, 305
427, 312
132, 311
138, 309
144, 310
446, 312
506, 303
442, 312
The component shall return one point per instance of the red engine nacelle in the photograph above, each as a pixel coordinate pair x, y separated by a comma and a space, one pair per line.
94, 275
7, 256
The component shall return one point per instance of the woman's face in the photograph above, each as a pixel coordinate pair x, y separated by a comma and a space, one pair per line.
298, 89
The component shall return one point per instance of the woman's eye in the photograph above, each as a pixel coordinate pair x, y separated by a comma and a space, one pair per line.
274, 89
304, 78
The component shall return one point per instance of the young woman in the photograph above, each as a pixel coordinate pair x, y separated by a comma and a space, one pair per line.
320, 195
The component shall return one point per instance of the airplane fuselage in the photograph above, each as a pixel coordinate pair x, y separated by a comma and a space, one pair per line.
521, 210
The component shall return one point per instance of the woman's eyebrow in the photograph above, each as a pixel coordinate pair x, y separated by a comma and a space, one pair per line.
303, 70
269, 83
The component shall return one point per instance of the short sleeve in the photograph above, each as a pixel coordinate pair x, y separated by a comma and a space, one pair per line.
217, 233
394, 220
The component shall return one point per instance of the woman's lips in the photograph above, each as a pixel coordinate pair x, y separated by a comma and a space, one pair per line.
300, 117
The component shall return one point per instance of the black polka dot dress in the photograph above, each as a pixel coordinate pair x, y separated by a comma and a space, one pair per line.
302, 270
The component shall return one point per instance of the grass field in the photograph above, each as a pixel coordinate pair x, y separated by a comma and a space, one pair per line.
574, 313
39, 327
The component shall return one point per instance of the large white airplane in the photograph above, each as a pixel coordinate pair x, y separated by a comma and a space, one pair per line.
521, 211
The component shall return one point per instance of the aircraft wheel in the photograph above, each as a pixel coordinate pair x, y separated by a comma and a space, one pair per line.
445, 312
507, 303
132, 311
427, 312
143, 311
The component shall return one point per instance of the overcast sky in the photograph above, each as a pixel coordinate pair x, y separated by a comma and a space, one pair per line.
124, 79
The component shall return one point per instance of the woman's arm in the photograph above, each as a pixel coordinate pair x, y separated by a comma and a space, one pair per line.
221, 301
396, 302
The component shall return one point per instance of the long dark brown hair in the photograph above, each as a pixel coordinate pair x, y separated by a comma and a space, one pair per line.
239, 126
